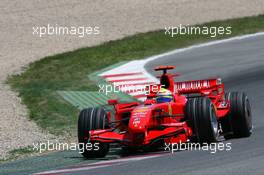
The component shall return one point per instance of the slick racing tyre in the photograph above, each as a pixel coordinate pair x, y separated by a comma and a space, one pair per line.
92, 119
238, 123
201, 117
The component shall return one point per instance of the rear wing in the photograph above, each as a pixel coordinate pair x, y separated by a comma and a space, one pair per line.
206, 87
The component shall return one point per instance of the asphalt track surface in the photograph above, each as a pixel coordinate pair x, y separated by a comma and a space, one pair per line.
241, 65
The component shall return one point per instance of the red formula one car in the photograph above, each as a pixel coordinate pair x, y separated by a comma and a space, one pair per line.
198, 110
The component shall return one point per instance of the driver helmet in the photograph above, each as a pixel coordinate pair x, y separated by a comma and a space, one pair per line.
164, 95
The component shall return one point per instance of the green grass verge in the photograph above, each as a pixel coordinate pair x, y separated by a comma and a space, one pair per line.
38, 84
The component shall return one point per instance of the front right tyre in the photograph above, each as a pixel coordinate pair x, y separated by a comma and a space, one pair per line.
201, 117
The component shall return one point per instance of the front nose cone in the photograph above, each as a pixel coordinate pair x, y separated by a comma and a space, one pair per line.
137, 125
137, 128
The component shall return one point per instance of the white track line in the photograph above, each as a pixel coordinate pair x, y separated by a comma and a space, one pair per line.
202, 45
100, 164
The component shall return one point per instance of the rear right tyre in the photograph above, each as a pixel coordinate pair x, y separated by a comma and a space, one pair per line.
238, 123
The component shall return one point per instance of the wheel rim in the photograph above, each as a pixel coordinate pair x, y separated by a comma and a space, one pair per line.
214, 122
248, 115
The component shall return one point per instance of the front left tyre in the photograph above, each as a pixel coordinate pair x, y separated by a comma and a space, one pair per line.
92, 119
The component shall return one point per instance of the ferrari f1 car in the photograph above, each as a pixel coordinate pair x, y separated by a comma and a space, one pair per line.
198, 111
